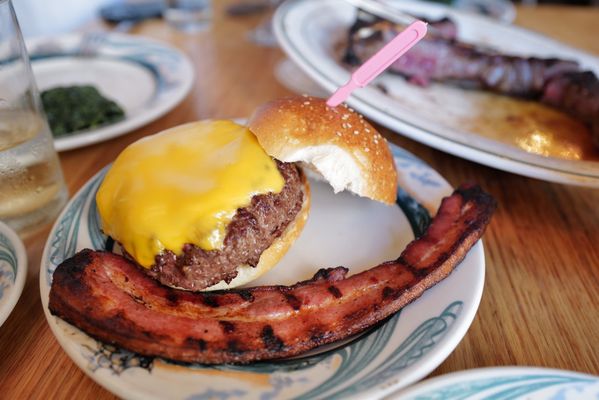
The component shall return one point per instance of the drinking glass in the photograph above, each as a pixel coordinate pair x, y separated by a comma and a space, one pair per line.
32, 189
189, 15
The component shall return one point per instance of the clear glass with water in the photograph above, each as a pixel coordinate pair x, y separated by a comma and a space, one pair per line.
188, 15
32, 188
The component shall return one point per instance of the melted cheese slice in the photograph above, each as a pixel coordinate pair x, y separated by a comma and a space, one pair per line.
183, 185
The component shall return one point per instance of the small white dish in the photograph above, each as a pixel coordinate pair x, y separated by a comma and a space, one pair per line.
442, 116
515, 383
342, 230
145, 77
13, 270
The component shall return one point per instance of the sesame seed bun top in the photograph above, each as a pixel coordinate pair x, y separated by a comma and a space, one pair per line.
337, 143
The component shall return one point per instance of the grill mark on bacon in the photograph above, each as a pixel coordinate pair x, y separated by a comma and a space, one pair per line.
171, 296
330, 274
245, 295
334, 291
234, 348
199, 343
293, 301
137, 299
418, 272
388, 292
271, 341
228, 327
210, 300
93, 290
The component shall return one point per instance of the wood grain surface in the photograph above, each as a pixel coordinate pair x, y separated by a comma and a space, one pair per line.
540, 305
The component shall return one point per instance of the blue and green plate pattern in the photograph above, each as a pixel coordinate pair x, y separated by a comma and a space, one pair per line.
13, 270
503, 383
342, 230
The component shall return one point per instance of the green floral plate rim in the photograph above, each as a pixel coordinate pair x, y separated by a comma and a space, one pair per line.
386, 358
516, 383
13, 270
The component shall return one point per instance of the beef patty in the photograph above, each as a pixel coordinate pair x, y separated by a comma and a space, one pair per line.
252, 230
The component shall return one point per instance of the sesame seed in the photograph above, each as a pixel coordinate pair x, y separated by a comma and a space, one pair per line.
367, 149
306, 102
345, 116
367, 130
348, 125
338, 134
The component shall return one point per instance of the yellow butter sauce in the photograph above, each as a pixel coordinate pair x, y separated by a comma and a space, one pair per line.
183, 185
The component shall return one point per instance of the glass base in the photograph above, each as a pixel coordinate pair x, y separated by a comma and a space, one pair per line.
189, 21
29, 224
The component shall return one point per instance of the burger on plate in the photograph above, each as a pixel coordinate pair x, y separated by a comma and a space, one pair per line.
213, 204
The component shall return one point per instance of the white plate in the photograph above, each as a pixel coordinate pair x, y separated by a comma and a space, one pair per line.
13, 270
501, 10
293, 78
146, 78
342, 230
516, 383
309, 30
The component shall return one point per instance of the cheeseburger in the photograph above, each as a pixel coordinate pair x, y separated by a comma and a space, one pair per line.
213, 204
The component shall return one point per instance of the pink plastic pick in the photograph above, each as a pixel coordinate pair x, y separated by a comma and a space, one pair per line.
380, 61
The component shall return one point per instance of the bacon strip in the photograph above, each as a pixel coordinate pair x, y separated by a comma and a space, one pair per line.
111, 299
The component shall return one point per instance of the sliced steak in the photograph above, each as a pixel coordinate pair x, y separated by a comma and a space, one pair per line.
440, 57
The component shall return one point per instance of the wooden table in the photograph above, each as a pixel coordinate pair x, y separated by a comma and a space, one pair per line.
540, 306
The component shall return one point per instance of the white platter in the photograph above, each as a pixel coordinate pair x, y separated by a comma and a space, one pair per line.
145, 77
310, 31
342, 230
